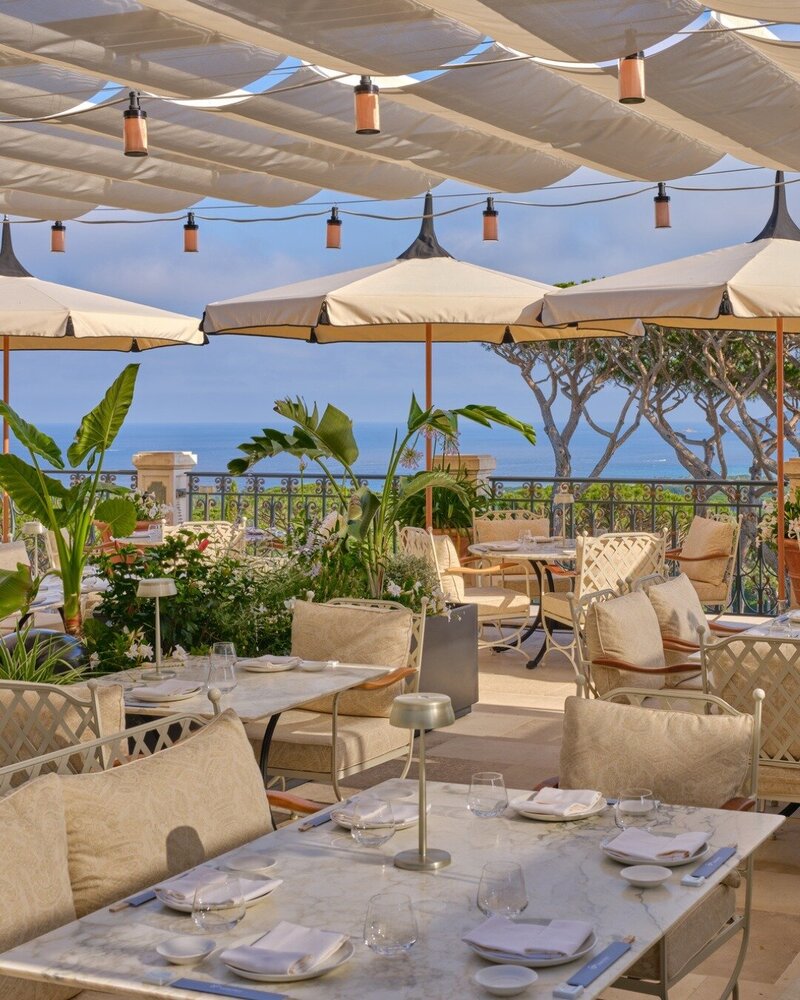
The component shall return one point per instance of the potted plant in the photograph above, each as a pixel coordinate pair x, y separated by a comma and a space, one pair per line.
70, 511
768, 532
451, 511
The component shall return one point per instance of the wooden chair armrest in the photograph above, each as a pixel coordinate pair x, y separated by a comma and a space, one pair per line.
387, 680
722, 628
708, 555
680, 645
489, 570
675, 668
293, 803
547, 783
559, 570
672, 553
740, 804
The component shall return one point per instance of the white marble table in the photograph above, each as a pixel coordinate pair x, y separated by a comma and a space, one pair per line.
776, 628
328, 880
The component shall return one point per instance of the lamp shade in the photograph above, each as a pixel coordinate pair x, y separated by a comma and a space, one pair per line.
160, 586
422, 711
31, 528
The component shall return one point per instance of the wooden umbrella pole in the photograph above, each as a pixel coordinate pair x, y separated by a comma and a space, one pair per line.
6, 442
779, 373
428, 405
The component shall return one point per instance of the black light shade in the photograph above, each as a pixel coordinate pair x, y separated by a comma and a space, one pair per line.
631, 79
134, 127
490, 215
661, 202
333, 235
58, 232
190, 231
368, 112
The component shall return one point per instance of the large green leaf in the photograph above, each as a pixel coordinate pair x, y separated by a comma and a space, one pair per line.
15, 589
101, 425
23, 484
362, 507
488, 415
331, 436
423, 480
119, 514
31, 437
335, 431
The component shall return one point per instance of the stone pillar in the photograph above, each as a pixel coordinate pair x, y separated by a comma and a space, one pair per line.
166, 475
478, 468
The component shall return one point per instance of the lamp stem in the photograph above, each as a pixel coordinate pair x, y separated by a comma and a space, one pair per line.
158, 636
423, 806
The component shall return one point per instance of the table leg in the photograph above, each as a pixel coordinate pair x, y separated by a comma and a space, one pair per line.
539, 620
263, 757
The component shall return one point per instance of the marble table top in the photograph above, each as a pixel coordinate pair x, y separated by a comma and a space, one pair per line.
533, 551
328, 880
256, 696
781, 627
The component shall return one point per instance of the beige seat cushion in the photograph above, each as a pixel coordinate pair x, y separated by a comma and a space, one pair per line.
687, 759
625, 628
711, 593
507, 529
678, 609
156, 816
497, 602
34, 877
354, 635
556, 605
447, 559
707, 535
303, 742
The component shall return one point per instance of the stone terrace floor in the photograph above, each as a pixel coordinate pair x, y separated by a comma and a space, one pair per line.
516, 729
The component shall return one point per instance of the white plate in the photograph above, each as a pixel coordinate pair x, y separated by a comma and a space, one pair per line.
501, 546
315, 666
519, 804
533, 962
162, 699
646, 876
344, 954
626, 859
406, 824
185, 949
257, 862
267, 668
505, 980
173, 904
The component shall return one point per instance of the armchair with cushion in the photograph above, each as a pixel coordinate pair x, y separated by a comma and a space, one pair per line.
692, 759
708, 557
225, 538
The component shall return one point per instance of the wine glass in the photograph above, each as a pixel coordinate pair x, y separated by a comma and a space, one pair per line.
372, 821
636, 807
390, 927
487, 794
501, 891
219, 905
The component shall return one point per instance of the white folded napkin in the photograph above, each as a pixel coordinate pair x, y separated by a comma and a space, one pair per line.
181, 889
287, 950
265, 661
94, 583
154, 692
401, 811
563, 801
645, 846
559, 937
501, 546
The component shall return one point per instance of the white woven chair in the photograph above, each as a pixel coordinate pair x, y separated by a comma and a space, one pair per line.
606, 562
225, 538
707, 556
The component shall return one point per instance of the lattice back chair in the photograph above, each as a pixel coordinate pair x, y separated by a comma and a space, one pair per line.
504, 614
506, 525
733, 668
605, 562
225, 538
329, 739
705, 757
707, 556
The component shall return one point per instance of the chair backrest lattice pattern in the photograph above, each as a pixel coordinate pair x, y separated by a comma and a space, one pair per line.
736, 665
612, 561
225, 538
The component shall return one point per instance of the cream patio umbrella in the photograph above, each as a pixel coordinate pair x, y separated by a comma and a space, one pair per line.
41, 315
424, 296
750, 286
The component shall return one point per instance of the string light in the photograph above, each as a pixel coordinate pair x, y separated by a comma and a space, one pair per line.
333, 231
58, 232
631, 79
134, 127
368, 112
490, 214
661, 203
190, 231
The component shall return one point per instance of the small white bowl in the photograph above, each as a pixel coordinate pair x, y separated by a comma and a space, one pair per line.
185, 949
505, 980
316, 666
249, 861
646, 876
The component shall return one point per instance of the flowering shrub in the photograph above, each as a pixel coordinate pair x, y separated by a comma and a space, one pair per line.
147, 505
768, 525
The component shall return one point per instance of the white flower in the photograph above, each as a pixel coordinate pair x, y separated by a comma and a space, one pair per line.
94, 660
145, 651
393, 589
289, 605
133, 652
417, 585
180, 653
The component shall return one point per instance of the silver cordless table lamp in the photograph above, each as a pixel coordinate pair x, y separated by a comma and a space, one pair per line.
157, 587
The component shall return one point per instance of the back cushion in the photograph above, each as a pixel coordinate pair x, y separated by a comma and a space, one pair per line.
34, 877
707, 535
626, 628
506, 529
678, 609
156, 816
353, 635
447, 558
686, 759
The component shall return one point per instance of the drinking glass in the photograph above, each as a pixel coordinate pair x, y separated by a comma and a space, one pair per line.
487, 794
222, 667
373, 821
779, 622
501, 891
219, 905
390, 927
636, 807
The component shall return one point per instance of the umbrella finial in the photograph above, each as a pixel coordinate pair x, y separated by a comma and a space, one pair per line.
425, 245
10, 267
780, 225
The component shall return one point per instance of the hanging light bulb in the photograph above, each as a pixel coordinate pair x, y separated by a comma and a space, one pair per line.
631, 79
58, 232
134, 127
368, 112
661, 202
190, 231
333, 235
490, 214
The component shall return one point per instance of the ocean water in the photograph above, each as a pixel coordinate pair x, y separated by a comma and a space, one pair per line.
645, 455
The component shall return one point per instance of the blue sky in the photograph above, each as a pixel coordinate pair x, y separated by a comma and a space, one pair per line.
235, 379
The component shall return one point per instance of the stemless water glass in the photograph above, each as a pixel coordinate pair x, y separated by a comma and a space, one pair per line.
636, 807
501, 891
222, 667
780, 623
390, 927
487, 794
373, 821
219, 905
